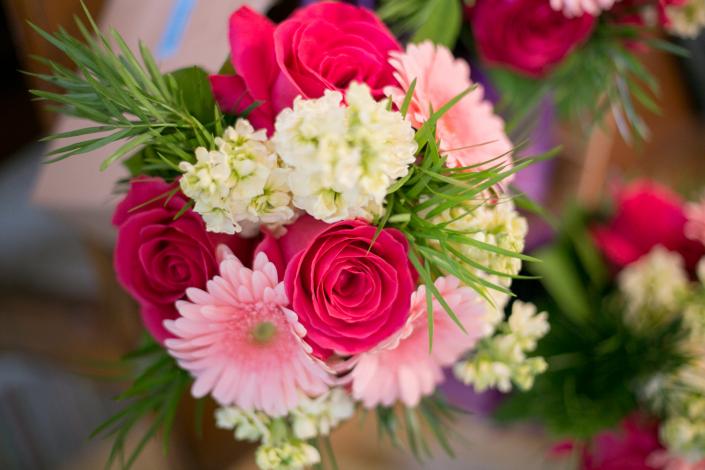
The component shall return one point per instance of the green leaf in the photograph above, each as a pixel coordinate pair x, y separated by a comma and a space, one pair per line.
195, 89
443, 23
558, 274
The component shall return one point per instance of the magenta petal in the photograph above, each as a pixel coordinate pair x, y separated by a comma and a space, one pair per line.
153, 317
233, 97
252, 51
299, 235
270, 247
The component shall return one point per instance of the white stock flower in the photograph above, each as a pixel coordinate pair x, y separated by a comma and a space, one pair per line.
499, 225
343, 159
686, 20
288, 455
527, 325
653, 287
317, 416
248, 426
501, 360
241, 180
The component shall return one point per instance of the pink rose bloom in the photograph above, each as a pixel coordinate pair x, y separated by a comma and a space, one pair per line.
241, 342
647, 214
627, 448
695, 226
470, 132
406, 371
156, 257
349, 296
323, 46
526, 35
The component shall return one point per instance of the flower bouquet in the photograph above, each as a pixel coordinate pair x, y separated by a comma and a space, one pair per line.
625, 349
322, 226
583, 53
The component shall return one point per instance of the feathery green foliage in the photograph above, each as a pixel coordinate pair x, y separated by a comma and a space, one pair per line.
131, 102
153, 397
428, 190
437, 20
433, 417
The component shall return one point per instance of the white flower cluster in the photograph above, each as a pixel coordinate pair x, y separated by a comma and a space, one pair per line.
278, 449
687, 19
343, 156
290, 455
678, 396
501, 360
283, 440
683, 398
499, 225
653, 287
317, 416
242, 180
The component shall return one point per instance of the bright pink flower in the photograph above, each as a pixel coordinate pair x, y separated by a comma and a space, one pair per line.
350, 294
647, 214
627, 448
695, 227
323, 46
156, 257
241, 342
470, 133
526, 35
406, 370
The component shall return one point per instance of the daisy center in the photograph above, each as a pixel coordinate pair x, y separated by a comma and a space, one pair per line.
263, 332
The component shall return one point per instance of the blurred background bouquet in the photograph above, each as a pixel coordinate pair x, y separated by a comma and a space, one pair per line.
625, 293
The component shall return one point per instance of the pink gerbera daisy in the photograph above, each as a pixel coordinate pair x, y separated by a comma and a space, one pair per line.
241, 343
470, 132
408, 371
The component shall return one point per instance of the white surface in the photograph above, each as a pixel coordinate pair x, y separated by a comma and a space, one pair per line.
75, 188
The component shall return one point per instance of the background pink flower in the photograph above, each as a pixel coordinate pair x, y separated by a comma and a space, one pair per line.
323, 46
626, 448
526, 35
470, 133
408, 371
156, 257
646, 214
242, 344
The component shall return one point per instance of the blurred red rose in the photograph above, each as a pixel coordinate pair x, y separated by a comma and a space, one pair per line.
647, 214
526, 35
627, 448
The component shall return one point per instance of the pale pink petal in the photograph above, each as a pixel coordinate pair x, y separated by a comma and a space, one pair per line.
470, 133
406, 371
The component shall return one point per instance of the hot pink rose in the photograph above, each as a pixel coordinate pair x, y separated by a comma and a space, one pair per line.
157, 258
526, 35
348, 296
647, 214
322, 46
627, 448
